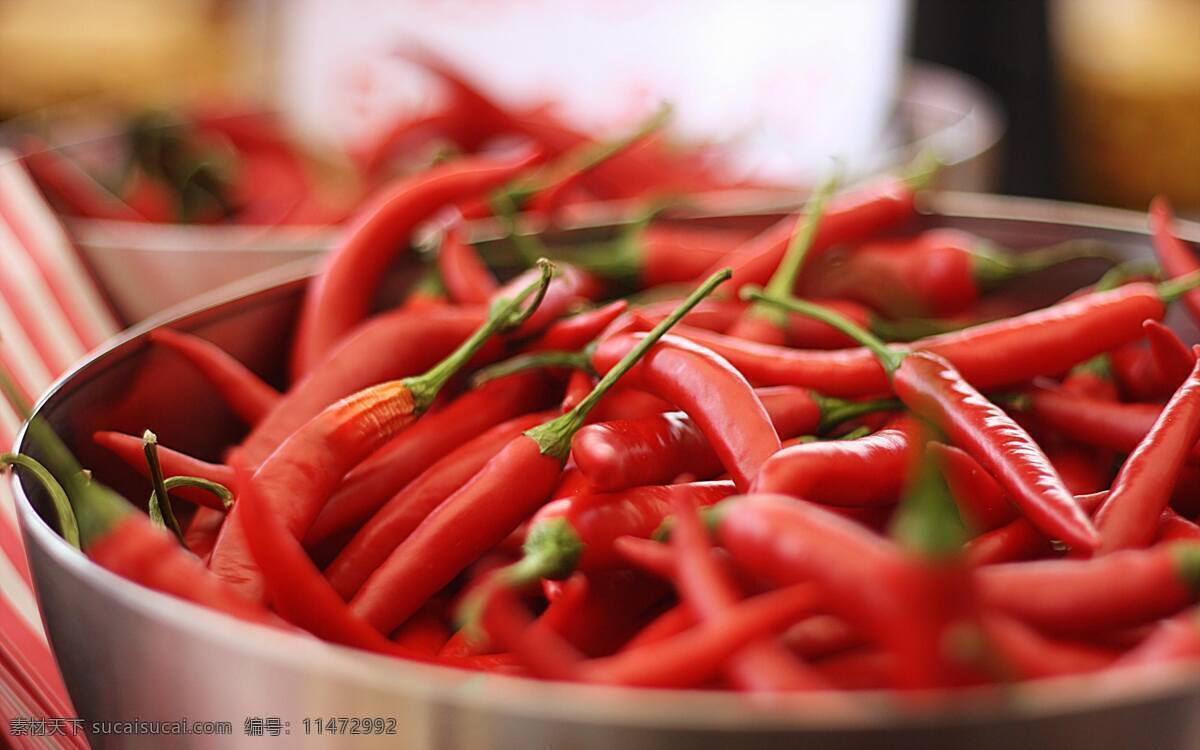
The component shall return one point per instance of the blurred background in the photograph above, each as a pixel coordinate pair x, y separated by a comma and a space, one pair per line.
245, 131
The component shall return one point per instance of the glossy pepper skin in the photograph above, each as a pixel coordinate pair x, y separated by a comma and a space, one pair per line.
930, 386
867, 471
1000, 354
710, 391
1176, 257
405, 511
246, 394
656, 449
1129, 516
1125, 588
340, 297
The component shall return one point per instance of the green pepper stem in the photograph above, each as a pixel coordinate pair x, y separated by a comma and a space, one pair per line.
991, 268
927, 520
1122, 273
889, 358
532, 361
67, 525
220, 491
554, 437
835, 411
505, 314
160, 498
552, 550
1173, 289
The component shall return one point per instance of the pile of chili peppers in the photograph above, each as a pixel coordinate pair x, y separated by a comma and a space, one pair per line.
212, 163
833, 462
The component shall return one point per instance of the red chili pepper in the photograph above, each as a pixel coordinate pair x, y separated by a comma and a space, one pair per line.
1128, 587
1173, 527
396, 519
129, 449
768, 324
867, 580
340, 296
651, 557
822, 635
676, 254
982, 502
655, 450
868, 471
1173, 253
1104, 424
1149, 374
670, 623
1019, 539
849, 217
391, 468
990, 355
467, 279
686, 660
576, 331
937, 273
483, 512
713, 394
1172, 640
762, 666
391, 346
1129, 516
569, 287
297, 479
577, 533
1031, 655
617, 603
1173, 357
425, 632
246, 394
936, 391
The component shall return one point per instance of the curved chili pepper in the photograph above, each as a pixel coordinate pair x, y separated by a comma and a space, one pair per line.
822, 635
937, 273
1104, 424
129, 449
1173, 527
425, 632
397, 518
981, 501
467, 279
936, 391
246, 394
297, 479
1031, 655
713, 394
407, 455
569, 287
479, 515
394, 345
991, 355
1128, 587
1019, 539
340, 296
576, 331
868, 471
1173, 253
1129, 516
686, 660
865, 579
669, 254
768, 324
1172, 640
655, 450
670, 623
1148, 374
762, 666
649, 556
852, 216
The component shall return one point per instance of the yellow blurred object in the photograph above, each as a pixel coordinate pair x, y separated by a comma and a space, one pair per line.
1130, 75
128, 52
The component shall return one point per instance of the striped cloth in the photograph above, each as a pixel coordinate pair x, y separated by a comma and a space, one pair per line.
51, 314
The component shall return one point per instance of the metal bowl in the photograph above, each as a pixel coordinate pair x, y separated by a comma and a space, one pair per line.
127, 652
